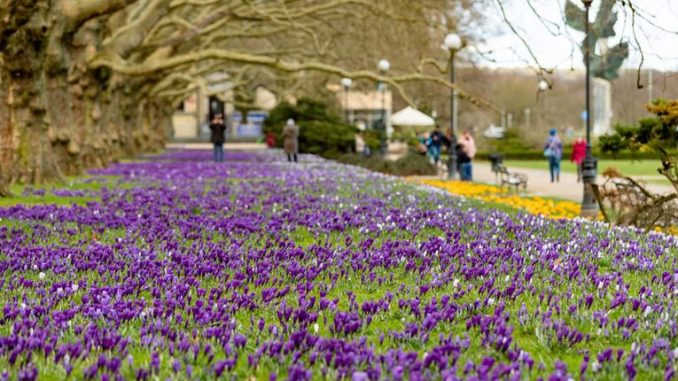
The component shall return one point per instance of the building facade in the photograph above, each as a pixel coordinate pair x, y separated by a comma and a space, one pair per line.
364, 109
191, 118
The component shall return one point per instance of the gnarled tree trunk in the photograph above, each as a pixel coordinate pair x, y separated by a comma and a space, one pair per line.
56, 115
23, 70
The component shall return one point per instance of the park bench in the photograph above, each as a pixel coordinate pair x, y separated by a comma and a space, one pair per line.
511, 179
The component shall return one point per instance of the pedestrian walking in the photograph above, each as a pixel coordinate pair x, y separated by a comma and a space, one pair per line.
291, 142
553, 151
218, 136
435, 144
578, 155
468, 146
464, 163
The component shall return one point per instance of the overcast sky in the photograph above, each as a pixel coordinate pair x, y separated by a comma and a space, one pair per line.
554, 44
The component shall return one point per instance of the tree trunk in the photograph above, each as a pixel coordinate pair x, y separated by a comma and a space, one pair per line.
56, 115
7, 138
23, 75
26, 128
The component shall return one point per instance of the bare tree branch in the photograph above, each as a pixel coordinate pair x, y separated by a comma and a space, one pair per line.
522, 39
80, 11
285, 66
129, 37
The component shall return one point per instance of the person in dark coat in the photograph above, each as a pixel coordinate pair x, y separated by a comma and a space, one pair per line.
463, 163
218, 137
435, 144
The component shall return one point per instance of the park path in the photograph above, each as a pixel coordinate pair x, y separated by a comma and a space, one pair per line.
539, 182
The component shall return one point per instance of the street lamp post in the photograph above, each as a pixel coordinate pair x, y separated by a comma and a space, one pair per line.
542, 86
453, 43
346, 84
589, 207
383, 66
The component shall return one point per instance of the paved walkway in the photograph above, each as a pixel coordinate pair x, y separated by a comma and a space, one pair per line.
539, 182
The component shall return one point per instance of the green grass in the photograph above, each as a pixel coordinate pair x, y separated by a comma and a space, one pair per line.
541, 344
626, 167
70, 183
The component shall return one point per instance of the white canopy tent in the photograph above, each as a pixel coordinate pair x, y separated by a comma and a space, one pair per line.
411, 117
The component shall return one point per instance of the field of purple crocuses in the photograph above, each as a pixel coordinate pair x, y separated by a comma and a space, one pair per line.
175, 267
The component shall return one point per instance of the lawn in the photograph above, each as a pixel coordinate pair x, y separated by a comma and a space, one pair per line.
256, 268
626, 167
70, 190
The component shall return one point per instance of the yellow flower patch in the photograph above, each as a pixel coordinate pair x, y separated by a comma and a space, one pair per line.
670, 230
463, 188
531, 204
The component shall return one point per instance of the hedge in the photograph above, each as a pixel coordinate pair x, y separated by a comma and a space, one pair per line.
412, 164
321, 130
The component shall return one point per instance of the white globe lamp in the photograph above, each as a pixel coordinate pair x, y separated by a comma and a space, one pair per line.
384, 65
452, 41
346, 83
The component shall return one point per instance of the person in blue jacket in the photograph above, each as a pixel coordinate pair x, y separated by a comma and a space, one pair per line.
553, 151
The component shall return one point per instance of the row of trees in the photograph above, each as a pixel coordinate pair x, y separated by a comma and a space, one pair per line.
83, 83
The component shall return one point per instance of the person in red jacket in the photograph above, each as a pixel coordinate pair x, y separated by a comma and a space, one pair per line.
270, 140
578, 155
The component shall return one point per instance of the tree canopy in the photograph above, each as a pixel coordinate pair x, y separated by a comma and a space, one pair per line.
87, 81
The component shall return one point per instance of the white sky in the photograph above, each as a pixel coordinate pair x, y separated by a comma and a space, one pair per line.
554, 44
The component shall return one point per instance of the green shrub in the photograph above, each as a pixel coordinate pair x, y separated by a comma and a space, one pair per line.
373, 139
411, 164
321, 130
611, 144
324, 138
658, 132
512, 142
414, 164
410, 135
